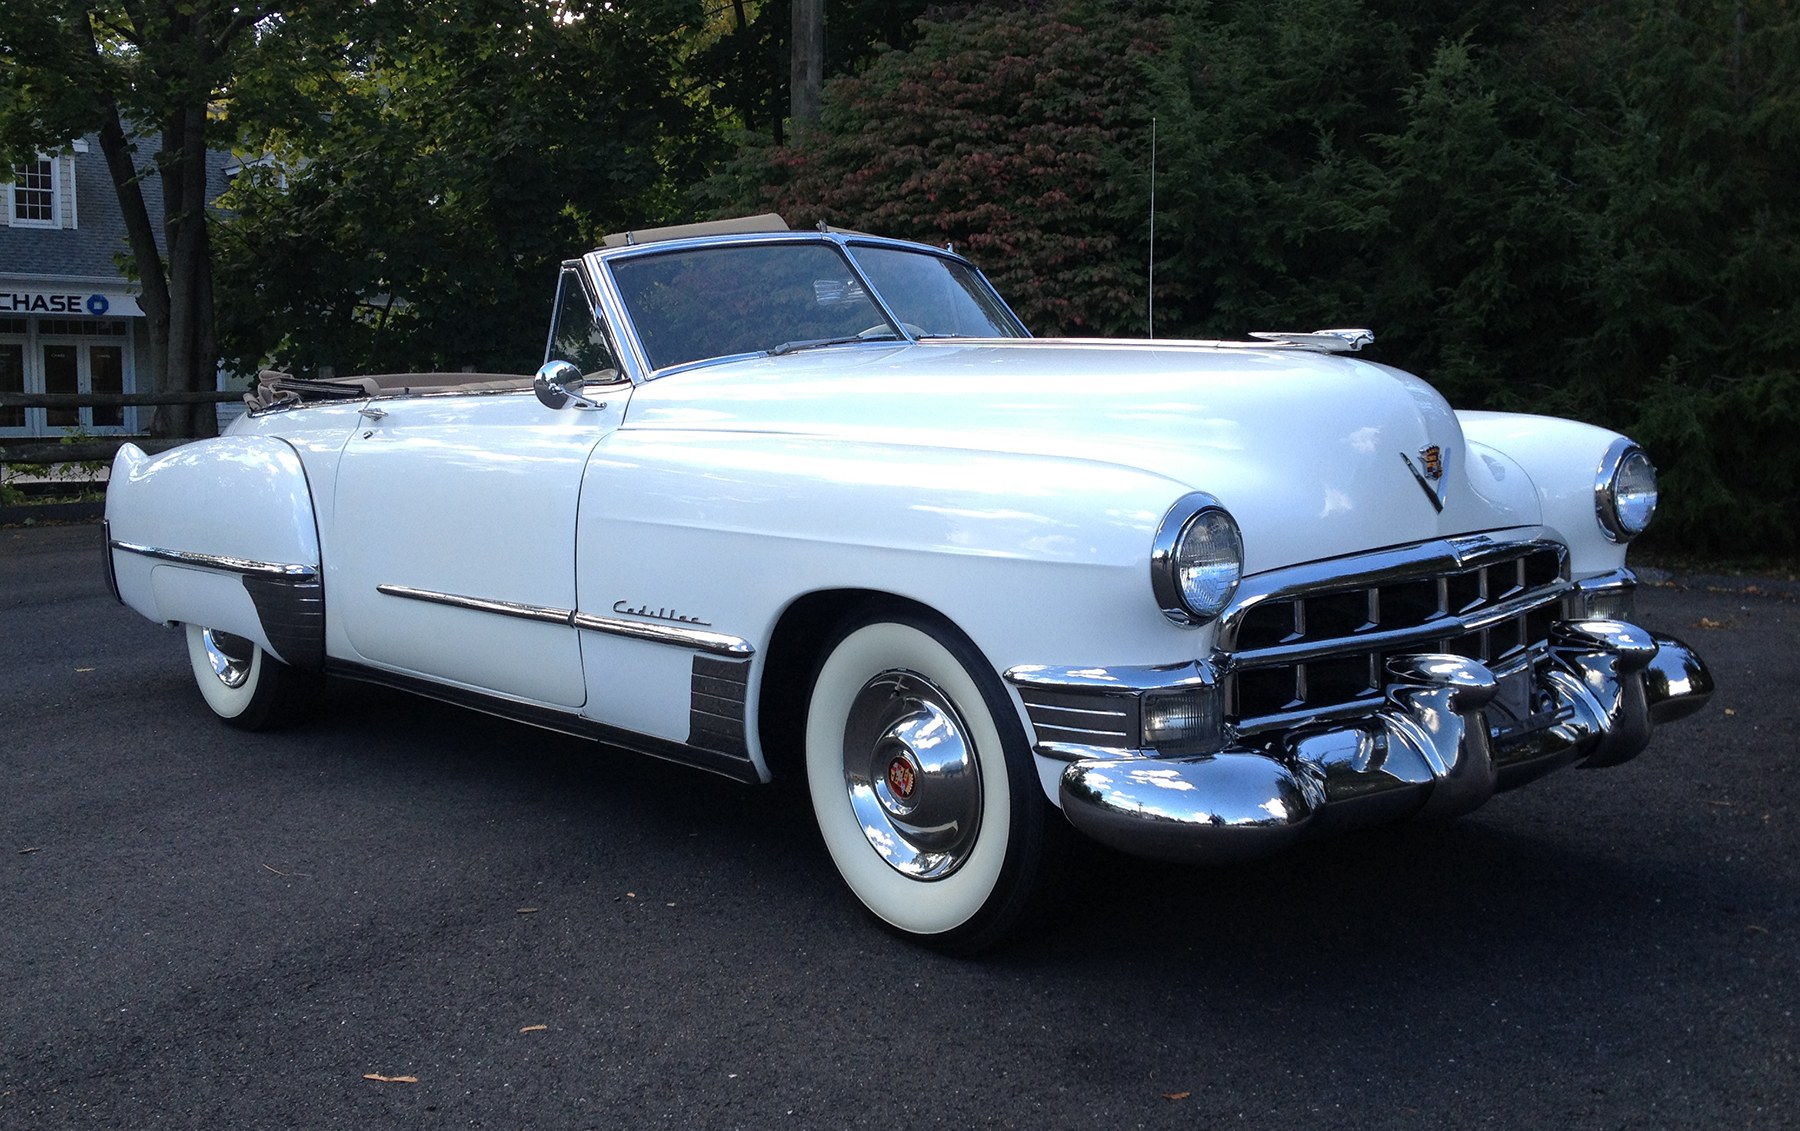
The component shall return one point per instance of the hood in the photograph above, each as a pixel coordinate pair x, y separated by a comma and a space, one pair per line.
1315, 456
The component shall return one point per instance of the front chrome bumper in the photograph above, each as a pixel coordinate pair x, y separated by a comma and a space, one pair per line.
1435, 747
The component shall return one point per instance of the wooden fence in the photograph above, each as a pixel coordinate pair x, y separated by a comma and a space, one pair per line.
103, 448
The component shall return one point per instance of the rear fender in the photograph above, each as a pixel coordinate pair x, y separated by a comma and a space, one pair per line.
220, 533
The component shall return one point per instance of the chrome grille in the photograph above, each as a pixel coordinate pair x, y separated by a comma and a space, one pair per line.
1313, 642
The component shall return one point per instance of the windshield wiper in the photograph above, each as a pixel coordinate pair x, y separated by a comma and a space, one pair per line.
816, 343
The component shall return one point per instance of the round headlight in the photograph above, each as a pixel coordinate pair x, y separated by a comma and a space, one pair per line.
1196, 561
1627, 492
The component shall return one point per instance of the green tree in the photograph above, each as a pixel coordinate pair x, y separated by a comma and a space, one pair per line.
130, 70
742, 53
997, 132
1571, 208
429, 163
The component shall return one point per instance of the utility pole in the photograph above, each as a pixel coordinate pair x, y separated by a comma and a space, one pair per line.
806, 73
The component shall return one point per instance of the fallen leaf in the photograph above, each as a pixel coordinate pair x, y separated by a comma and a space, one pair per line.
28, 851
379, 1078
1176, 1095
84, 669
528, 911
1708, 622
1720, 804
534, 1028
1730, 711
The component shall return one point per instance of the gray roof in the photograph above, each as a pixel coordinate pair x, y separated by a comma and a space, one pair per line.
92, 250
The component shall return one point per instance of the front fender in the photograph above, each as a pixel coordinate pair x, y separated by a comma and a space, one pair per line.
1562, 458
1029, 555
221, 533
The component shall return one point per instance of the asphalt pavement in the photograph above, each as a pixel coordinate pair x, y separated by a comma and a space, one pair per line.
404, 914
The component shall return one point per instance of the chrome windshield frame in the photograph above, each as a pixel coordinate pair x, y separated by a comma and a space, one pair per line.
635, 361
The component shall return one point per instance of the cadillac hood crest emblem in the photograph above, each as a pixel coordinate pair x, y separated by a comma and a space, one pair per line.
1428, 469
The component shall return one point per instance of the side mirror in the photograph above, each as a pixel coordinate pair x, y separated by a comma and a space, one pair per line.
558, 384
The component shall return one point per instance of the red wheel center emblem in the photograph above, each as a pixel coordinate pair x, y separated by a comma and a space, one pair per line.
900, 778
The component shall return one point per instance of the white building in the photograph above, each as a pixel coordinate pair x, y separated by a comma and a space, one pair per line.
69, 316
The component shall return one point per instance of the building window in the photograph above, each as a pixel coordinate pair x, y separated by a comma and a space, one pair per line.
36, 195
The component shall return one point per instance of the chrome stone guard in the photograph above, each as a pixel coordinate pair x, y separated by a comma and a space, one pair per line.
1426, 751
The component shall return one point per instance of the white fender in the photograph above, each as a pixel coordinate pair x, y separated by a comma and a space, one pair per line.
1562, 458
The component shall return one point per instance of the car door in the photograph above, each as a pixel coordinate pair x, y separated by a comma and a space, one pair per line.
452, 553
454, 548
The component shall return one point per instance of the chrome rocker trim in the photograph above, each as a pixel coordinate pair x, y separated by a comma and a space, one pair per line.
729, 761
1429, 749
713, 643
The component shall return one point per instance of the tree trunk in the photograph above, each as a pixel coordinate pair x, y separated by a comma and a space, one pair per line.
192, 358
806, 75
176, 294
140, 235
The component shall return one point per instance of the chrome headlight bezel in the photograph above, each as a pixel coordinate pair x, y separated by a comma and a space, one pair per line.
1623, 504
1197, 527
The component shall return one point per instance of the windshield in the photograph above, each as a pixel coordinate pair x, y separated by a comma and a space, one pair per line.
727, 301
934, 296
699, 303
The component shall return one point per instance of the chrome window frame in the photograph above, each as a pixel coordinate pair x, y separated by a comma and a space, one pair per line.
635, 363
580, 270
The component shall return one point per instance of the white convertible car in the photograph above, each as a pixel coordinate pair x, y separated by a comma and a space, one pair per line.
815, 504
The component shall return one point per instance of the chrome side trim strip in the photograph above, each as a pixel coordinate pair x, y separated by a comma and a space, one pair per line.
545, 613
219, 561
717, 643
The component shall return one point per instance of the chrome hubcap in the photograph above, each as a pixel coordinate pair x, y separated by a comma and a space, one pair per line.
230, 656
911, 775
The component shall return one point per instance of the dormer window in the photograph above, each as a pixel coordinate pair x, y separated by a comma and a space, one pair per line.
36, 196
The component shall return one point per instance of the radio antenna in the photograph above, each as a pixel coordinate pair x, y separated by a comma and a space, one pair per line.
1150, 296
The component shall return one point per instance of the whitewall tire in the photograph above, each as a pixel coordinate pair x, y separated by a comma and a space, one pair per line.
245, 686
922, 781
